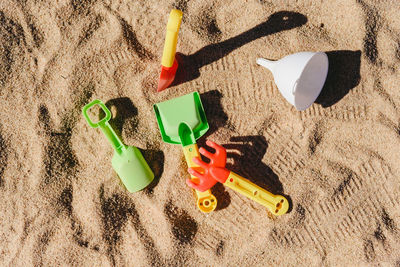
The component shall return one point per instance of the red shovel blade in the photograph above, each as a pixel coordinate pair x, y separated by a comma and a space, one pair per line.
167, 76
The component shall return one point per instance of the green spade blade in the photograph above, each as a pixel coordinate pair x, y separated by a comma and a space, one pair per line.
128, 161
182, 116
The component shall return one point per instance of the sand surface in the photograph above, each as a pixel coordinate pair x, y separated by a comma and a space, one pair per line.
338, 161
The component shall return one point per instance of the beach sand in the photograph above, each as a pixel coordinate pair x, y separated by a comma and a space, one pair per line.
61, 203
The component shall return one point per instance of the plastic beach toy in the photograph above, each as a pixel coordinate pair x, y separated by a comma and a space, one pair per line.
182, 120
169, 65
299, 77
128, 161
215, 170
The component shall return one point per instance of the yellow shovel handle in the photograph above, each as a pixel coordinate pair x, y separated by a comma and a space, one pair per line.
277, 204
171, 39
206, 202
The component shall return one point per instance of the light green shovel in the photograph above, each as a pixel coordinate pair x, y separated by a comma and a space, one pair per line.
128, 161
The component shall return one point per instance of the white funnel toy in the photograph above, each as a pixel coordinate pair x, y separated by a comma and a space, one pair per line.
299, 77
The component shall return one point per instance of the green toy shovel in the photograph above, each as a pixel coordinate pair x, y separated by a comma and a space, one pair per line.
182, 120
128, 161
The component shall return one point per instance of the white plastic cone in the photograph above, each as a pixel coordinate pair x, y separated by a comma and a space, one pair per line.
299, 77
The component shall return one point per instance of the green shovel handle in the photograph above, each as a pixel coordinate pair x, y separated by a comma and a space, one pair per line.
104, 125
103, 107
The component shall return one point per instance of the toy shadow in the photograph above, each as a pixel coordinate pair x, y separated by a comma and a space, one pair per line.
247, 153
189, 65
127, 112
343, 75
124, 110
215, 113
155, 158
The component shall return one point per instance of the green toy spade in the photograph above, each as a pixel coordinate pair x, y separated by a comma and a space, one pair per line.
128, 161
182, 120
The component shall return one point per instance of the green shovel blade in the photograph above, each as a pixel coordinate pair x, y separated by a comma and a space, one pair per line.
187, 110
128, 161
132, 169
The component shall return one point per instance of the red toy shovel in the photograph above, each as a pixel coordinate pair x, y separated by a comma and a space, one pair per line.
169, 65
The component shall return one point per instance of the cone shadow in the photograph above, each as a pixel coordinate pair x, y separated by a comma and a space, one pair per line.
343, 75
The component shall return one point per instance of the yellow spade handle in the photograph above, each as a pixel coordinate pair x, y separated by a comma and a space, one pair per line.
171, 39
277, 204
206, 201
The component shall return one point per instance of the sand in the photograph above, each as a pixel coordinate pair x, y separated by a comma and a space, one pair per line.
338, 161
